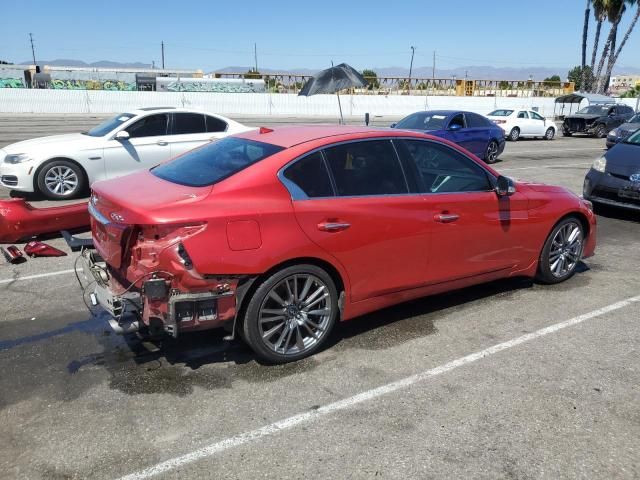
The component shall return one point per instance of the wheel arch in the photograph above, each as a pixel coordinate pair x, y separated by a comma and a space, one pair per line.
255, 282
584, 221
53, 159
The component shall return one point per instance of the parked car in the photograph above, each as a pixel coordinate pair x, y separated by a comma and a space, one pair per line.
614, 178
523, 123
596, 120
63, 166
469, 130
623, 131
277, 234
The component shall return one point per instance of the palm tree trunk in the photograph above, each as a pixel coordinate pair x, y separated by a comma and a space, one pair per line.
605, 54
595, 45
613, 58
585, 31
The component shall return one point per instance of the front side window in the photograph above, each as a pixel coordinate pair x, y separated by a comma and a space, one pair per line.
310, 176
214, 162
149, 126
457, 120
366, 168
441, 169
109, 125
186, 123
523, 115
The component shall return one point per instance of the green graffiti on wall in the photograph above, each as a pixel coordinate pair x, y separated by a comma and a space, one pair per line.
11, 83
118, 85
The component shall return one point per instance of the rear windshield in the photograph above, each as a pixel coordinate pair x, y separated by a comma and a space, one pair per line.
500, 113
214, 162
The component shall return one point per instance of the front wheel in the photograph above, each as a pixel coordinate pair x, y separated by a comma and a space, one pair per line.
291, 314
514, 134
566, 133
561, 252
601, 131
491, 154
549, 134
61, 179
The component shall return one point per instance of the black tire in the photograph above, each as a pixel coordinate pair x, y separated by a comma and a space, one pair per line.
514, 134
549, 134
491, 153
73, 180
546, 261
600, 131
252, 323
566, 133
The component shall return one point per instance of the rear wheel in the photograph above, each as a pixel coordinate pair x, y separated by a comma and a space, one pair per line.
561, 252
291, 314
61, 179
491, 154
514, 134
549, 134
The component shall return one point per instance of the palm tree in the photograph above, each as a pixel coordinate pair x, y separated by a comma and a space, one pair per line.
585, 31
613, 56
600, 14
615, 11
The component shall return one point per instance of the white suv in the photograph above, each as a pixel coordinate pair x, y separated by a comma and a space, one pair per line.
63, 166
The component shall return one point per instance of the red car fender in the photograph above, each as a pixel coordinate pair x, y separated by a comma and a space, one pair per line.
19, 219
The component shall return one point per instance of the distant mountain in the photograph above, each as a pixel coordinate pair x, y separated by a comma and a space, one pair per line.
63, 62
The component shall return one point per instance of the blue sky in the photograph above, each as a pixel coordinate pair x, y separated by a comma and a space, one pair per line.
210, 35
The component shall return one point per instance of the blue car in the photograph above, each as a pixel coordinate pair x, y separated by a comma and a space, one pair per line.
471, 131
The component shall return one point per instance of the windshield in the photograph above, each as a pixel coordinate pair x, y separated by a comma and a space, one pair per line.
634, 138
214, 162
594, 110
423, 121
109, 125
634, 119
500, 113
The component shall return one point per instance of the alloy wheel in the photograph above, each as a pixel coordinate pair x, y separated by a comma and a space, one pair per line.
61, 180
492, 152
566, 249
550, 134
295, 314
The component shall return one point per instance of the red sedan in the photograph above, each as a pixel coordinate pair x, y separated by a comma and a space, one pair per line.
277, 234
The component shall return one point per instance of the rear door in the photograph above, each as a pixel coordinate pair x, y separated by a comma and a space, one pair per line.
147, 146
473, 231
188, 131
353, 201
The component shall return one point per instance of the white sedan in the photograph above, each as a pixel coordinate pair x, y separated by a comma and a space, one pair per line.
523, 123
63, 166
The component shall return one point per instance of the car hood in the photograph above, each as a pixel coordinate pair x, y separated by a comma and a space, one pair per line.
542, 187
68, 141
623, 159
583, 116
629, 127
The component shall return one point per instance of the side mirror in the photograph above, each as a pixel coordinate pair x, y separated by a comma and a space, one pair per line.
505, 186
122, 135
393, 125
454, 127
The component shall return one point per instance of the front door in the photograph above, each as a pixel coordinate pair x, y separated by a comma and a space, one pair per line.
362, 214
147, 146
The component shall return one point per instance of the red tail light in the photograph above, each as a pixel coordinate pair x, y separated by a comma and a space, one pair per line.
499, 121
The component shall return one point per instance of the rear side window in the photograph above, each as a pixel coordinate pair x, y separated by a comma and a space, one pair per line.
477, 121
310, 175
185, 123
366, 168
149, 126
536, 116
215, 124
214, 162
441, 169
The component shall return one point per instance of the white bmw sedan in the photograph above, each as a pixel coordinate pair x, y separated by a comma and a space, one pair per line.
63, 166
523, 123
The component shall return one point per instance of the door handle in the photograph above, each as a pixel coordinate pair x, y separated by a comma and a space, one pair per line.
446, 217
162, 143
333, 226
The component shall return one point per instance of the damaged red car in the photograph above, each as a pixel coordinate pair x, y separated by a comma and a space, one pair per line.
278, 234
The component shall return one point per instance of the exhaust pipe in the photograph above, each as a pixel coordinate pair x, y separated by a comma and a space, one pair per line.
125, 327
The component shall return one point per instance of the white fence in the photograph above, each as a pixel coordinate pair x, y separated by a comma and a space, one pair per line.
263, 104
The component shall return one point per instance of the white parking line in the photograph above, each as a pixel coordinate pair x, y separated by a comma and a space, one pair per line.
306, 417
31, 277
553, 165
553, 150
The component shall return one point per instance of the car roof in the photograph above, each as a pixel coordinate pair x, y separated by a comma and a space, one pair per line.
149, 110
290, 136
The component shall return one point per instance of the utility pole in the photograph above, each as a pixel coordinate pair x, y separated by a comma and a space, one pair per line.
162, 46
255, 55
413, 51
33, 51
433, 72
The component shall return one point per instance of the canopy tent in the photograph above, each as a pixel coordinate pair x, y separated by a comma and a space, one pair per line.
577, 98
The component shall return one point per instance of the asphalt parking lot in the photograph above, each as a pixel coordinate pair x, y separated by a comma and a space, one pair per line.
510, 380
